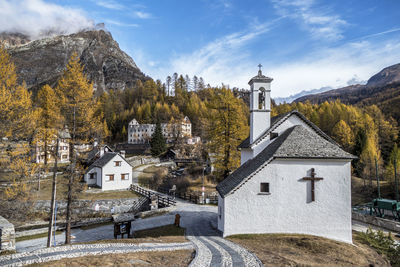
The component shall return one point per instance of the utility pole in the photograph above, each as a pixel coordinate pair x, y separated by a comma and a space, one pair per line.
53, 196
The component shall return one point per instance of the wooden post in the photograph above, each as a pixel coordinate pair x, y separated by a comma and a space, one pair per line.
53, 197
396, 180
377, 178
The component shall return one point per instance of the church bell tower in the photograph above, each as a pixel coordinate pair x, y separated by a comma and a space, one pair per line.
260, 104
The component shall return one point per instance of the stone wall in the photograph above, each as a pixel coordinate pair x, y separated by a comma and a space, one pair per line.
373, 220
91, 207
7, 235
140, 160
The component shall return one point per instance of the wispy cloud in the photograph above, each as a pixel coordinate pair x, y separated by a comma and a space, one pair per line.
110, 4
220, 60
36, 18
377, 34
321, 23
119, 23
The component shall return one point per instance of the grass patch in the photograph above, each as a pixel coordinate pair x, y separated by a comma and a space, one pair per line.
30, 237
306, 250
167, 230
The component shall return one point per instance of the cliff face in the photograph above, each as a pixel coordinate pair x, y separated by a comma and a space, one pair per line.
43, 61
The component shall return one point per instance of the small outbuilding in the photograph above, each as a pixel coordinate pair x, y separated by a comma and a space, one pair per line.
110, 172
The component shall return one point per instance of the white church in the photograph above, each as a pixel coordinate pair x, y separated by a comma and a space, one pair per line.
293, 178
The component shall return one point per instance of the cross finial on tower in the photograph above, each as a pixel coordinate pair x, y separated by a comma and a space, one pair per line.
259, 69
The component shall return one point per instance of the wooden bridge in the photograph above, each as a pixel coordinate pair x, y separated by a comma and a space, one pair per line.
163, 201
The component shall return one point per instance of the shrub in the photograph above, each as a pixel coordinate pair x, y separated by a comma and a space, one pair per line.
383, 244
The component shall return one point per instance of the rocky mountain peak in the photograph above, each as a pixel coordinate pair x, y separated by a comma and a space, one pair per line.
43, 61
386, 76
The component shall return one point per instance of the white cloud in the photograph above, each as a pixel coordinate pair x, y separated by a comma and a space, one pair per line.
110, 4
225, 60
320, 23
219, 61
36, 18
142, 15
334, 67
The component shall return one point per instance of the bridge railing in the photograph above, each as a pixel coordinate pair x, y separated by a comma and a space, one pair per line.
164, 201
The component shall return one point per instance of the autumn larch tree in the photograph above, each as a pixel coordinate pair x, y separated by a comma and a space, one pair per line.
79, 109
228, 126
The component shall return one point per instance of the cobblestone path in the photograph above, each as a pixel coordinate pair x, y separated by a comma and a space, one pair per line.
199, 221
73, 251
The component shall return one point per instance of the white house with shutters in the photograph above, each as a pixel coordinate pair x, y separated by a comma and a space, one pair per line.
293, 178
110, 172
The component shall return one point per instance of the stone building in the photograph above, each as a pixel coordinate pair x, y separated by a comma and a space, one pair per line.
141, 133
293, 178
63, 149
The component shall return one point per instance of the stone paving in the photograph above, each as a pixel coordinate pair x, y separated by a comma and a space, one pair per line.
211, 248
74, 251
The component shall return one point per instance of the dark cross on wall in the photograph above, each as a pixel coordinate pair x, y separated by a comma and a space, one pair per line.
312, 179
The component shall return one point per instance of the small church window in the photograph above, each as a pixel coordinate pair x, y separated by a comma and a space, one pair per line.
264, 188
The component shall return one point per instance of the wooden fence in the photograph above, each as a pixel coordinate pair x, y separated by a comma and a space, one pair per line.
194, 198
163, 201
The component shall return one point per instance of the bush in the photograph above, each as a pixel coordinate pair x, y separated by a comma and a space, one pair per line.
383, 244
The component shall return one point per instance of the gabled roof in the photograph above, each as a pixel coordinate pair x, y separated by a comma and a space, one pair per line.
101, 162
106, 158
278, 120
295, 142
96, 150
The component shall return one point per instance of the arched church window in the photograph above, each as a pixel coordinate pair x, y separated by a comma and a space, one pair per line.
261, 98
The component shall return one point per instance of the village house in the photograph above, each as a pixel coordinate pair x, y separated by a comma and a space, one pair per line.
109, 172
141, 133
293, 178
63, 149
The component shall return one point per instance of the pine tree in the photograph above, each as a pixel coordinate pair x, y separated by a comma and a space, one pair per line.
157, 142
78, 107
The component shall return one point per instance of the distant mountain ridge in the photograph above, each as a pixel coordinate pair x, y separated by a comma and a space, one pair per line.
291, 98
382, 89
42, 61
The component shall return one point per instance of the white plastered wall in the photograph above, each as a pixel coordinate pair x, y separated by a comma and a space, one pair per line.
110, 168
288, 208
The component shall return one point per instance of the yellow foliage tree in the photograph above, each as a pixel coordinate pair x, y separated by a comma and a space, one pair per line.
79, 109
227, 128
16, 116
343, 135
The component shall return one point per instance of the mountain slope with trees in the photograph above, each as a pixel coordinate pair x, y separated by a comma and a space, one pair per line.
382, 89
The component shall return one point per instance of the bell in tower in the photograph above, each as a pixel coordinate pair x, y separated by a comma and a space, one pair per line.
260, 104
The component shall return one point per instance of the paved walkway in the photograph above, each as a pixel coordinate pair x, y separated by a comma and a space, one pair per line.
211, 248
73, 251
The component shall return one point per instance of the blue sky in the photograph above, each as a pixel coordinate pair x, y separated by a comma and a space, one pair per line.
302, 44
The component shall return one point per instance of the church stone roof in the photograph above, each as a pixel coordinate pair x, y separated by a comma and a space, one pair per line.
278, 120
295, 142
260, 78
